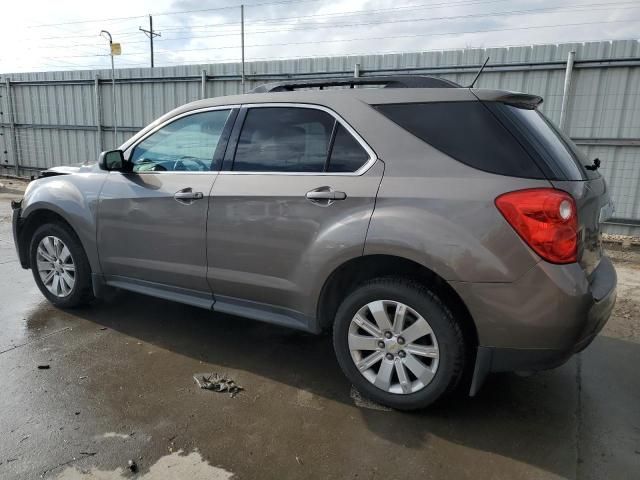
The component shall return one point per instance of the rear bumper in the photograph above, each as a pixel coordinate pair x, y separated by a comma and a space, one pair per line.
539, 322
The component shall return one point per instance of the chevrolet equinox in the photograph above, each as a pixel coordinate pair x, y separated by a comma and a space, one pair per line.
440, 232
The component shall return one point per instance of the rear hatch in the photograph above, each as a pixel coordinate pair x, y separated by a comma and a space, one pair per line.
565, 167
504, 133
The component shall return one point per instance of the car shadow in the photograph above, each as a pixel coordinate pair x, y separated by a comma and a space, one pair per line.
533, 420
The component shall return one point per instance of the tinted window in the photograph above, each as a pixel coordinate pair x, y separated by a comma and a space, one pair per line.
187, 144
347, 155
557, 151
468, 132
283, 139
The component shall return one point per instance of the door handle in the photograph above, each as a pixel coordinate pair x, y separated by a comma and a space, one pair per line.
325, 196
187, 195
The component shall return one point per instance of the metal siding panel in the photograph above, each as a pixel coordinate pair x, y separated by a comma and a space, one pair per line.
603, 102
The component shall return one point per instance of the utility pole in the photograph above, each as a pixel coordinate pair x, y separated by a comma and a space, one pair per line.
242, 42
150, 33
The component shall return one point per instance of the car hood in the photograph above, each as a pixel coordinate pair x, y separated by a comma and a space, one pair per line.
70, 169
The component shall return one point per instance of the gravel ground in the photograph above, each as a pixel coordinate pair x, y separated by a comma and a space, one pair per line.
625, 320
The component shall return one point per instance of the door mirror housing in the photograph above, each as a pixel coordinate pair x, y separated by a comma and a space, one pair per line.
112, 160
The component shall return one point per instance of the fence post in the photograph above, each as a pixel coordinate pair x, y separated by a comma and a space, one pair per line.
356, 70
98, 110
203, 84
567, 87
12, 126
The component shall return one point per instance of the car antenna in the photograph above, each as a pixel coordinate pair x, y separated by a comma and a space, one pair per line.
479, 72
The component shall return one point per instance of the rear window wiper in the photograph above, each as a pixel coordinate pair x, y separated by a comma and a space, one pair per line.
594, 166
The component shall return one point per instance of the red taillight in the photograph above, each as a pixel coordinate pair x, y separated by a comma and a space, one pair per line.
546, 219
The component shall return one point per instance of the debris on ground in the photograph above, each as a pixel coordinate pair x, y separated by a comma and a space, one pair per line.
218, 383
364, 402
43, 367
624, 240
132, 466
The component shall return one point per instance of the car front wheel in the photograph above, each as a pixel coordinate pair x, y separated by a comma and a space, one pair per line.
60, 266
398, 343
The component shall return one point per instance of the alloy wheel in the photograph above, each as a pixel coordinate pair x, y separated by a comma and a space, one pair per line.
56, 267
393, 347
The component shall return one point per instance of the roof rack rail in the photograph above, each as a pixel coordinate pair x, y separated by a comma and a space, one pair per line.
396, 81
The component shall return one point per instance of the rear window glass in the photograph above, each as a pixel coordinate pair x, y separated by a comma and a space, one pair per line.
558, 152
466, 131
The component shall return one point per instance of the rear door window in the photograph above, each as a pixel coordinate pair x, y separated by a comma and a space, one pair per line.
284, 139
468, 132
347, 155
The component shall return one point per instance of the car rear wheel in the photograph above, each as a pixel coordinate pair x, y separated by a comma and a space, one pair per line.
398, 343
60, 266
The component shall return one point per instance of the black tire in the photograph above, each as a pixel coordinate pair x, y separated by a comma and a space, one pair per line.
82, 292
451, 342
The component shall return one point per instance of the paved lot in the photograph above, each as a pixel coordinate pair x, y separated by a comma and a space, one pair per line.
120, 388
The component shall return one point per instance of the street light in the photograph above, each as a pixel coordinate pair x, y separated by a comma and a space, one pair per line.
114, 49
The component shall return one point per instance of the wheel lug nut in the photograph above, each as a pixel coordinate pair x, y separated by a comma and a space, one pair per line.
388, 335
381, 344
389, 356
401, 354
401, 340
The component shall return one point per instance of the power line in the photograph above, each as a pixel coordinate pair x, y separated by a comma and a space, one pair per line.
181, 12
427, 5
429, 19
353, 12
387, 37
536, 11
411, 35
392, 9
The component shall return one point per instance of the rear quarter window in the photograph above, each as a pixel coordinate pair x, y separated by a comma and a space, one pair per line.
468, 132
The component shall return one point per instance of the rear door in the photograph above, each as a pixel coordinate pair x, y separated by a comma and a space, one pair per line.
152, 220
295, 194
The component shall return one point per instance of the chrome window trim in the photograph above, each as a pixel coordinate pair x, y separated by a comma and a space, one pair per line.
133, 146
363, 169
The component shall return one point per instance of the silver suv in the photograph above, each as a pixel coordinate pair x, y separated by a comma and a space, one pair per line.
440, 232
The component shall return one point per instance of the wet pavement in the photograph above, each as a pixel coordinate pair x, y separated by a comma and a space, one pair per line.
120, 387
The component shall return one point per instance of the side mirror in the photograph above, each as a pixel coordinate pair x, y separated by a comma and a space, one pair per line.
111, 160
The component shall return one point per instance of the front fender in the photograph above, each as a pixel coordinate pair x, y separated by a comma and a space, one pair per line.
72, 197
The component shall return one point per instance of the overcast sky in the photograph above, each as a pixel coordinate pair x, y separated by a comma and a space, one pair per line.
41, 35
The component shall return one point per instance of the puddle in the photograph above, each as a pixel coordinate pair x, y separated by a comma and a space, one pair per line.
174, 466
115, 435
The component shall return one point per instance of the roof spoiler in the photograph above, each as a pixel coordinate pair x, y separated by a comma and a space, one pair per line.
395, 81
520, 100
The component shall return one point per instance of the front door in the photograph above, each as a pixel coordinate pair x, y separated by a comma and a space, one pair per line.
152, 221
297, 195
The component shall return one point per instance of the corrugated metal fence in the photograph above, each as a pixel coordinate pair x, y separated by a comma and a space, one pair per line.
54, 118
